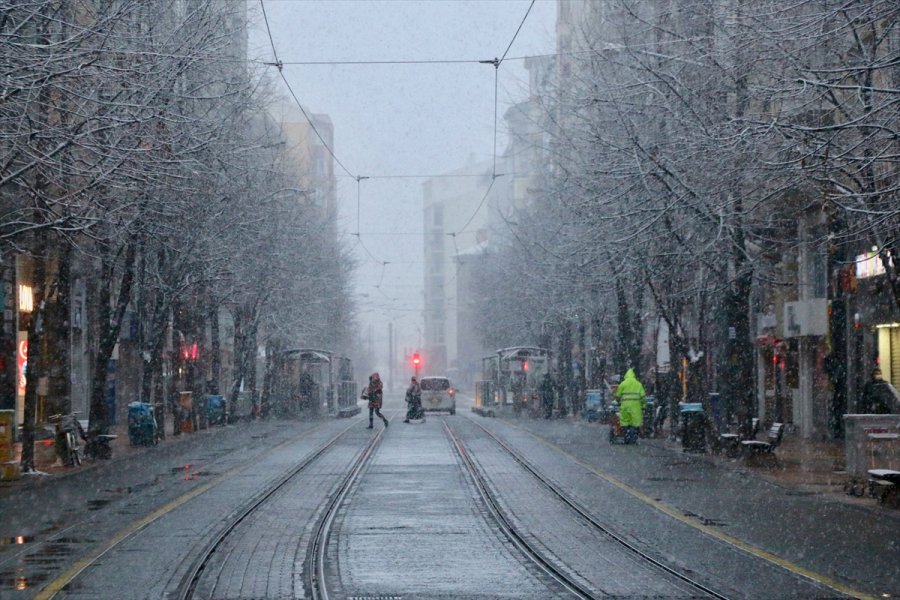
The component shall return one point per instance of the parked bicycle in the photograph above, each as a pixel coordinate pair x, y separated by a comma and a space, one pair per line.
69, 434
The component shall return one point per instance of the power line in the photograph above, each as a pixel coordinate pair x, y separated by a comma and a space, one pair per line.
333, 63
530, 6
278, 64
419, 176
496, 63
480, 204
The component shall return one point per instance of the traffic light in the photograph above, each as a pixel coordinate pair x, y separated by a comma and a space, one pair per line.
416, 360
190, 352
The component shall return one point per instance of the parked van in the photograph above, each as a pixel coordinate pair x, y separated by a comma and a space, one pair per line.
438, 394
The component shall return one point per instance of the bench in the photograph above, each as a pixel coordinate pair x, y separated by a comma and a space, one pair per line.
884, 484
754, 448
730, 443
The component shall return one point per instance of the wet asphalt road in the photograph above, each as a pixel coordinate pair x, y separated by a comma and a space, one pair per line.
414, 526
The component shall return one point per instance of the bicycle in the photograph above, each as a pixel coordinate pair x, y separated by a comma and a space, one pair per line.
68, 431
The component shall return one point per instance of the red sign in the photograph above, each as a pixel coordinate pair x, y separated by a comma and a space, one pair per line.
21, 363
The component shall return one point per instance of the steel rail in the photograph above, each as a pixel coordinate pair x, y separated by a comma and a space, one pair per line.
508, 528
56, 584
190, 580
586, 515
315, 556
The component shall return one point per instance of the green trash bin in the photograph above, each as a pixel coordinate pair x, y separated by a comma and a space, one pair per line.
693, 427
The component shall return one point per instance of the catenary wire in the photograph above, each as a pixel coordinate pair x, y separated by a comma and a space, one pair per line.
516, 34
494, 175
278, 64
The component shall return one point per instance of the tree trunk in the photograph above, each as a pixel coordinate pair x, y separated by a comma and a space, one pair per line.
215, 350
109, 324
628, 351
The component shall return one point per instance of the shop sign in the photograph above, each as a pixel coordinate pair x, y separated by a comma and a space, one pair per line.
21, 362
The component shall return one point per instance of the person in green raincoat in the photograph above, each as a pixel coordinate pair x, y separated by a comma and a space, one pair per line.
630, 395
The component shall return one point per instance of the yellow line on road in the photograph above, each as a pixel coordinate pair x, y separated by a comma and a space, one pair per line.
52, 588
699, 525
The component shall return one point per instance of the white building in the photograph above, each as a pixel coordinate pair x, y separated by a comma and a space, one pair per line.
456, 208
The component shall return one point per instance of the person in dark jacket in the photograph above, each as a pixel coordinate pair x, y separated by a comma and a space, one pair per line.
879, 397
548, 389
374, 394
414, 401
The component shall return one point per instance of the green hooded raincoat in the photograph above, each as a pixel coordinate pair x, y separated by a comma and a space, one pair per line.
630, 395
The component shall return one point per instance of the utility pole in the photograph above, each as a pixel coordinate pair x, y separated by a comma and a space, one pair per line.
391, 356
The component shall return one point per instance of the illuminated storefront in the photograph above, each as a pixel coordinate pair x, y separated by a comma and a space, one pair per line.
889, 351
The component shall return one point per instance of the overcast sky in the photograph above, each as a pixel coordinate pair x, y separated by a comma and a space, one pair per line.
401, 119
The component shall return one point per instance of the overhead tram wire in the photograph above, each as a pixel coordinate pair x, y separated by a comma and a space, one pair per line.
419, 176
439, 61
496, 63
494, 175
279, 65
332, 63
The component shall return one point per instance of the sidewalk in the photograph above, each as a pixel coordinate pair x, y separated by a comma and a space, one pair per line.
47, 462
805, 466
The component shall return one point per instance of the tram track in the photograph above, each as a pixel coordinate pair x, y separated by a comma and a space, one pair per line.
315, 556
506, 526
115, 540
315, 580
580, 510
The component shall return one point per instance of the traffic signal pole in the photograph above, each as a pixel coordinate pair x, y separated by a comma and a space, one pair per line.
391, 356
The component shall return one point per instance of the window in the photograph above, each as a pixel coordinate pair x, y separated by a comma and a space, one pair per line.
435, 384
438, 217
819, 274
870, 264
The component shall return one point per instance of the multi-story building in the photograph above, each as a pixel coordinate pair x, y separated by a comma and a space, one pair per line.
306, 144
462, 223
456, 208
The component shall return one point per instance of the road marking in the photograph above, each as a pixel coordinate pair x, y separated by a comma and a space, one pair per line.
699, 525
54, 587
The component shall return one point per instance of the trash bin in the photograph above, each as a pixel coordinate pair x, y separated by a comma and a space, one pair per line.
693, 426
647, 426
215, 410
593, 404
141, 424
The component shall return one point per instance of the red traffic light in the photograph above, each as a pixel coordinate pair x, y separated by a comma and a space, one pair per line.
416, 359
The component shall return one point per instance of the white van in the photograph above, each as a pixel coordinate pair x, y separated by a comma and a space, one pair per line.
438, 394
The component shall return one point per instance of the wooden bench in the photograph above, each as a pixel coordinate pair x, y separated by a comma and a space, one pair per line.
730, 443
884, 484
754, 448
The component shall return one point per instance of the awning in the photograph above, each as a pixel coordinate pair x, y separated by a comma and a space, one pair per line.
310, 355
521, 352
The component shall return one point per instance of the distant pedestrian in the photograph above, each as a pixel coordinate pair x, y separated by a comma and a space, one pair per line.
414, 402
374, 394
548, 389
879, 397
307, 387
630, 394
